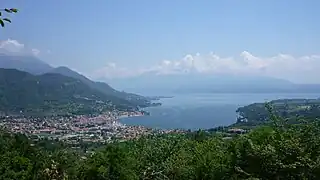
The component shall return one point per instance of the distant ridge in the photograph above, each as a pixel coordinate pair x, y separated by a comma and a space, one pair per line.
103, 87
210, 83
28, 64
22, 92
33, 65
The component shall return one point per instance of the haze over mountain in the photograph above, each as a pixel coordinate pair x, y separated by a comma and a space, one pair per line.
31, 64
188, 80
247, 38
212, 73
208, 83
208, 73
102, 86
27, 63
50, 93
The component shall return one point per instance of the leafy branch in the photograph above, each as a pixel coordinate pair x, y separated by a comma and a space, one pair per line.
5, 19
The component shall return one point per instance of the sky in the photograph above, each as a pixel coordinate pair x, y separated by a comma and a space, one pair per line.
123, 38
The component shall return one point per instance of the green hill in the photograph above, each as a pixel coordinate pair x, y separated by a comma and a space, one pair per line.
104, 87
289, 109
21, 92
35, 66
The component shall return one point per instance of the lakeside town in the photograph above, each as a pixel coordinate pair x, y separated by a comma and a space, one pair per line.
102, 128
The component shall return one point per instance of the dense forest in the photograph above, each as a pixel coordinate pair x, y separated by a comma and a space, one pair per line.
278, 151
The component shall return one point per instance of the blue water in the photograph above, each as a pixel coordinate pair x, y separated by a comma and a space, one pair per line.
196, 111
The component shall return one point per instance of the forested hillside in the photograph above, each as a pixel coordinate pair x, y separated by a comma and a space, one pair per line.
21, 92
35, 66
289, 109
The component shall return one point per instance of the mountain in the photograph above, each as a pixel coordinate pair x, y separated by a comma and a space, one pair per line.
196, 83
209, 83
35, 66
103, 87
70, 73
29, 64
51, 93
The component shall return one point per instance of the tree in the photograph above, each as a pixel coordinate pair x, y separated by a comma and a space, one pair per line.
5, 19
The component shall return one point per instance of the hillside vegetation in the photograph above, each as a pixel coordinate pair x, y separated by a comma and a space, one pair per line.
35, 66
280, 151
289, 109
21, 92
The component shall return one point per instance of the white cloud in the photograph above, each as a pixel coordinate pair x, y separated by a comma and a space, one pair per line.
15, 47
282, 66
111, 70
35, 51
11, 45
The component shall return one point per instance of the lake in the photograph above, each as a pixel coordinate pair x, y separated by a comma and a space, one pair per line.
194, 111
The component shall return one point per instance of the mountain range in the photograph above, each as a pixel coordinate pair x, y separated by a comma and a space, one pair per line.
25, 63
31, 77
209, 83
147, 84
52, 93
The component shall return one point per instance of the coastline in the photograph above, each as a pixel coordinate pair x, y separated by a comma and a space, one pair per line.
108, 125
156, 98
128, 114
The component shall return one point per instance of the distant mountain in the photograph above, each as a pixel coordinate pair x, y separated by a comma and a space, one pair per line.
52, 93
209, 83
29, 64
70, 73
103, 87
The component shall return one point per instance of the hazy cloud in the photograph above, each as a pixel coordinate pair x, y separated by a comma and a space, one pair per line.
15, 47
282, 66
111, 70
11, 45
303, 69
35, 51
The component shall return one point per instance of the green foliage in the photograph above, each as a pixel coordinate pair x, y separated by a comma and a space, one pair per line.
290, 109
278, 151
6, 10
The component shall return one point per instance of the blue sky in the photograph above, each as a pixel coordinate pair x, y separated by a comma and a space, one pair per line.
122, 35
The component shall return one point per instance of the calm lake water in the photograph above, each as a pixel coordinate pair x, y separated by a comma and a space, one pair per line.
196, 111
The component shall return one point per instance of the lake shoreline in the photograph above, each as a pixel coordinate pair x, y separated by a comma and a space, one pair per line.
202, 111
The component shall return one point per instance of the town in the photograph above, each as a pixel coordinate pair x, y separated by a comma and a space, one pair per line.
102, 128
